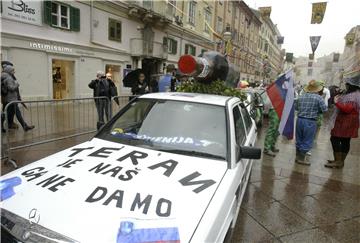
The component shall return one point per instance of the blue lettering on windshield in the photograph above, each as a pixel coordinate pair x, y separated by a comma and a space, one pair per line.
165, 140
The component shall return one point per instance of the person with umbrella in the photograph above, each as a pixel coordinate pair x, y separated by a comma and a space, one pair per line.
140, 86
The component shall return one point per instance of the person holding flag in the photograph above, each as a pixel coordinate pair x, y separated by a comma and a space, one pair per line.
281, 94
309, 105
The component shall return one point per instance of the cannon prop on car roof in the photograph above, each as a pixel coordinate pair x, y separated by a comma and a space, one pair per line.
209, 67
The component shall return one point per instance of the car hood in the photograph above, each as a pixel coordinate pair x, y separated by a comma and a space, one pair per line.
110, 192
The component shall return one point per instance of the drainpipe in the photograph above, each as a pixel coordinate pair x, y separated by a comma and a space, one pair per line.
91, 21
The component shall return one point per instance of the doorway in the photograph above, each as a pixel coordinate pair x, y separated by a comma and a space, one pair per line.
63, 78
150, 67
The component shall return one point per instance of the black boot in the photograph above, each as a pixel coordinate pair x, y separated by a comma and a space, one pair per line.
28, 128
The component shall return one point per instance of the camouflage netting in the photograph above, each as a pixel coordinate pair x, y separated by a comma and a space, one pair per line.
217, 88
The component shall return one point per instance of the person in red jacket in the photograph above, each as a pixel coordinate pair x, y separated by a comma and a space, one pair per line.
345, 122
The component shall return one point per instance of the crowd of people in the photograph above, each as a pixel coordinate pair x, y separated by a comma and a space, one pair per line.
312, 102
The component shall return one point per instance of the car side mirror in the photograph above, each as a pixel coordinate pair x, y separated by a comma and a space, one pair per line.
247, 152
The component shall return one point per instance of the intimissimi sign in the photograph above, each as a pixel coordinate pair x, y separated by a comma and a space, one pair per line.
48, 47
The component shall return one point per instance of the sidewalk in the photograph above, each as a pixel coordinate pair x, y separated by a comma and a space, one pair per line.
287, 202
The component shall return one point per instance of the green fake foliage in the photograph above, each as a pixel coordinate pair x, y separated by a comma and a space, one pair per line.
217, 88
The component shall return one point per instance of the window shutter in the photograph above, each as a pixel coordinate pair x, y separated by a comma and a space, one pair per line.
186, 49
174, 47
74, 19
193, 50
111, 29
47, 12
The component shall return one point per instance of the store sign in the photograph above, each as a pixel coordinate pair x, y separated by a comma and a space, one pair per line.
48, 47
23, 11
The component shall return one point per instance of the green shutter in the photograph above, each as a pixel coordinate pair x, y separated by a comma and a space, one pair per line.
47, 12
186, 49
193, 50
74, 19
174, 47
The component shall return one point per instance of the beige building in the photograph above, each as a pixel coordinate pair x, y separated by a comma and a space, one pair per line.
235, 18
270, 53
350, 59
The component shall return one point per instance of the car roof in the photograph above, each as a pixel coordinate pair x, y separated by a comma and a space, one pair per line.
191, 97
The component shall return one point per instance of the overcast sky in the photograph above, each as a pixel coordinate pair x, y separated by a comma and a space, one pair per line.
293, 19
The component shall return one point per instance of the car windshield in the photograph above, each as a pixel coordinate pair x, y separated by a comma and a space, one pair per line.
174, 126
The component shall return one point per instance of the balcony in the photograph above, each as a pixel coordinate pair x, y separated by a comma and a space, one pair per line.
141, 48
155, 12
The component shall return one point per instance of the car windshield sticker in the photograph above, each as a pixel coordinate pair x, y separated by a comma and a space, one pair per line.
128, 233
7, 187
118, 132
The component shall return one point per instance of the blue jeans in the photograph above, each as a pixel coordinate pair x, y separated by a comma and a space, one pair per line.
305, 134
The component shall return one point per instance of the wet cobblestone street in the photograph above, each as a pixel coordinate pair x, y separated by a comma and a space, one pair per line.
284, 201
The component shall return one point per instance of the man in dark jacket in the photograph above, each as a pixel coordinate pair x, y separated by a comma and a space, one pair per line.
102, 88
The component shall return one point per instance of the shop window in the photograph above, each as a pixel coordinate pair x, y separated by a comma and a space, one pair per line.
114, 30
203, 50
171, 45
61, 15
192, 11
190, 49
113, 71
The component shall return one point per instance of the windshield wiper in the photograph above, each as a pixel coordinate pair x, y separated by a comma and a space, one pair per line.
192, 152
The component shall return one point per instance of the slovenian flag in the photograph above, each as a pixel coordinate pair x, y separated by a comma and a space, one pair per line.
138, 231
281, 94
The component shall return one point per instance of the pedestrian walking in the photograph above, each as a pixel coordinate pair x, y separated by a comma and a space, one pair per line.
102, 88
345, 122
309, 105
272, 134
3, 94
10, 87
140, 86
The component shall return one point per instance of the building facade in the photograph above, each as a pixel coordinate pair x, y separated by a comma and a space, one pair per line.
350, 59
270, 52
58, 46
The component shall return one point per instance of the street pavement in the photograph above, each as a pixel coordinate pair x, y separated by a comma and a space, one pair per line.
284, 201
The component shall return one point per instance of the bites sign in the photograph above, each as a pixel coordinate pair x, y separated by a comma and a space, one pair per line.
23, 11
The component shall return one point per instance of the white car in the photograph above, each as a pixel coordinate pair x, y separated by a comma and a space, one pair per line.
169, 167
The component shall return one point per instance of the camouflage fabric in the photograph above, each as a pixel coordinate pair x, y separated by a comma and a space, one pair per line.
319, 120
272, 133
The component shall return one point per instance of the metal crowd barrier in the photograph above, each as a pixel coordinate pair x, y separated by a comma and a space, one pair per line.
53, 120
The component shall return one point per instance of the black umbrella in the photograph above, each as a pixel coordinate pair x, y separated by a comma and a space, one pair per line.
131, 77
